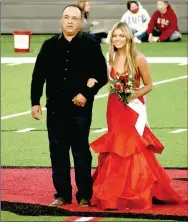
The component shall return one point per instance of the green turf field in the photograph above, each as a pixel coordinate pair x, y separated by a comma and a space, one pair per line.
7, 217
166, 108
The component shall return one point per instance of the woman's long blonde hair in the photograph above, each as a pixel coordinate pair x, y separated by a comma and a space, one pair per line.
130, 48
82, 5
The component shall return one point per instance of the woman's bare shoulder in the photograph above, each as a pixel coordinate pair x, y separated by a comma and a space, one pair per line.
140, 58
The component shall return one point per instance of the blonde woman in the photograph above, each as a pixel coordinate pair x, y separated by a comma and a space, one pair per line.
128, 174
87, 25
85, 6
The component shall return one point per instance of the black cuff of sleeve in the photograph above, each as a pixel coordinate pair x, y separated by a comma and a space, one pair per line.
87, 92
35, 102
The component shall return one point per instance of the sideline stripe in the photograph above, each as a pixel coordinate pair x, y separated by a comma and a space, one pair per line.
96, 97
32, 60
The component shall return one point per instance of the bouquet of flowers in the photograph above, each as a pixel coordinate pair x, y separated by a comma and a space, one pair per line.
123, 86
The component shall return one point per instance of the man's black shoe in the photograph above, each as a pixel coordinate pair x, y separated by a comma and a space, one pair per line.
84, 203
59, 202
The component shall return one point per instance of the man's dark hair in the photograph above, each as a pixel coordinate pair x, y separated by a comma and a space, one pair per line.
72, 5
129, 4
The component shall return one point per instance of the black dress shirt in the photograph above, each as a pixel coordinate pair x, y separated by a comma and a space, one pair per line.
65, 67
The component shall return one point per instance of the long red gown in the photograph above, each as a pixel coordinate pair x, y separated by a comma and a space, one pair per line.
128, 174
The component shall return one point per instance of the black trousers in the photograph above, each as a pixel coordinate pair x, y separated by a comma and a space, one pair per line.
65, 131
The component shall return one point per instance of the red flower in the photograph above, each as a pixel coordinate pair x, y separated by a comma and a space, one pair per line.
126, 87
121, 78
117, 87
125, 78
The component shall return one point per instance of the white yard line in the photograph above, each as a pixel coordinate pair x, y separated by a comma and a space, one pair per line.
97, 97
166, 60
174, 131
101, 96
25, 130
11, 60
17, 114
14, 64
32, 60
84, 219
170, 80
100, 130
178, 131
183, 64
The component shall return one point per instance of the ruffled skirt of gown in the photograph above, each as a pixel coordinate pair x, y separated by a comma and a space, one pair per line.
128, 174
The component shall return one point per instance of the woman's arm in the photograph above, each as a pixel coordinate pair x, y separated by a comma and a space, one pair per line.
145, 73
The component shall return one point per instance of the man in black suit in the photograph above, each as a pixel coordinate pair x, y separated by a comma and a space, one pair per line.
66, 62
